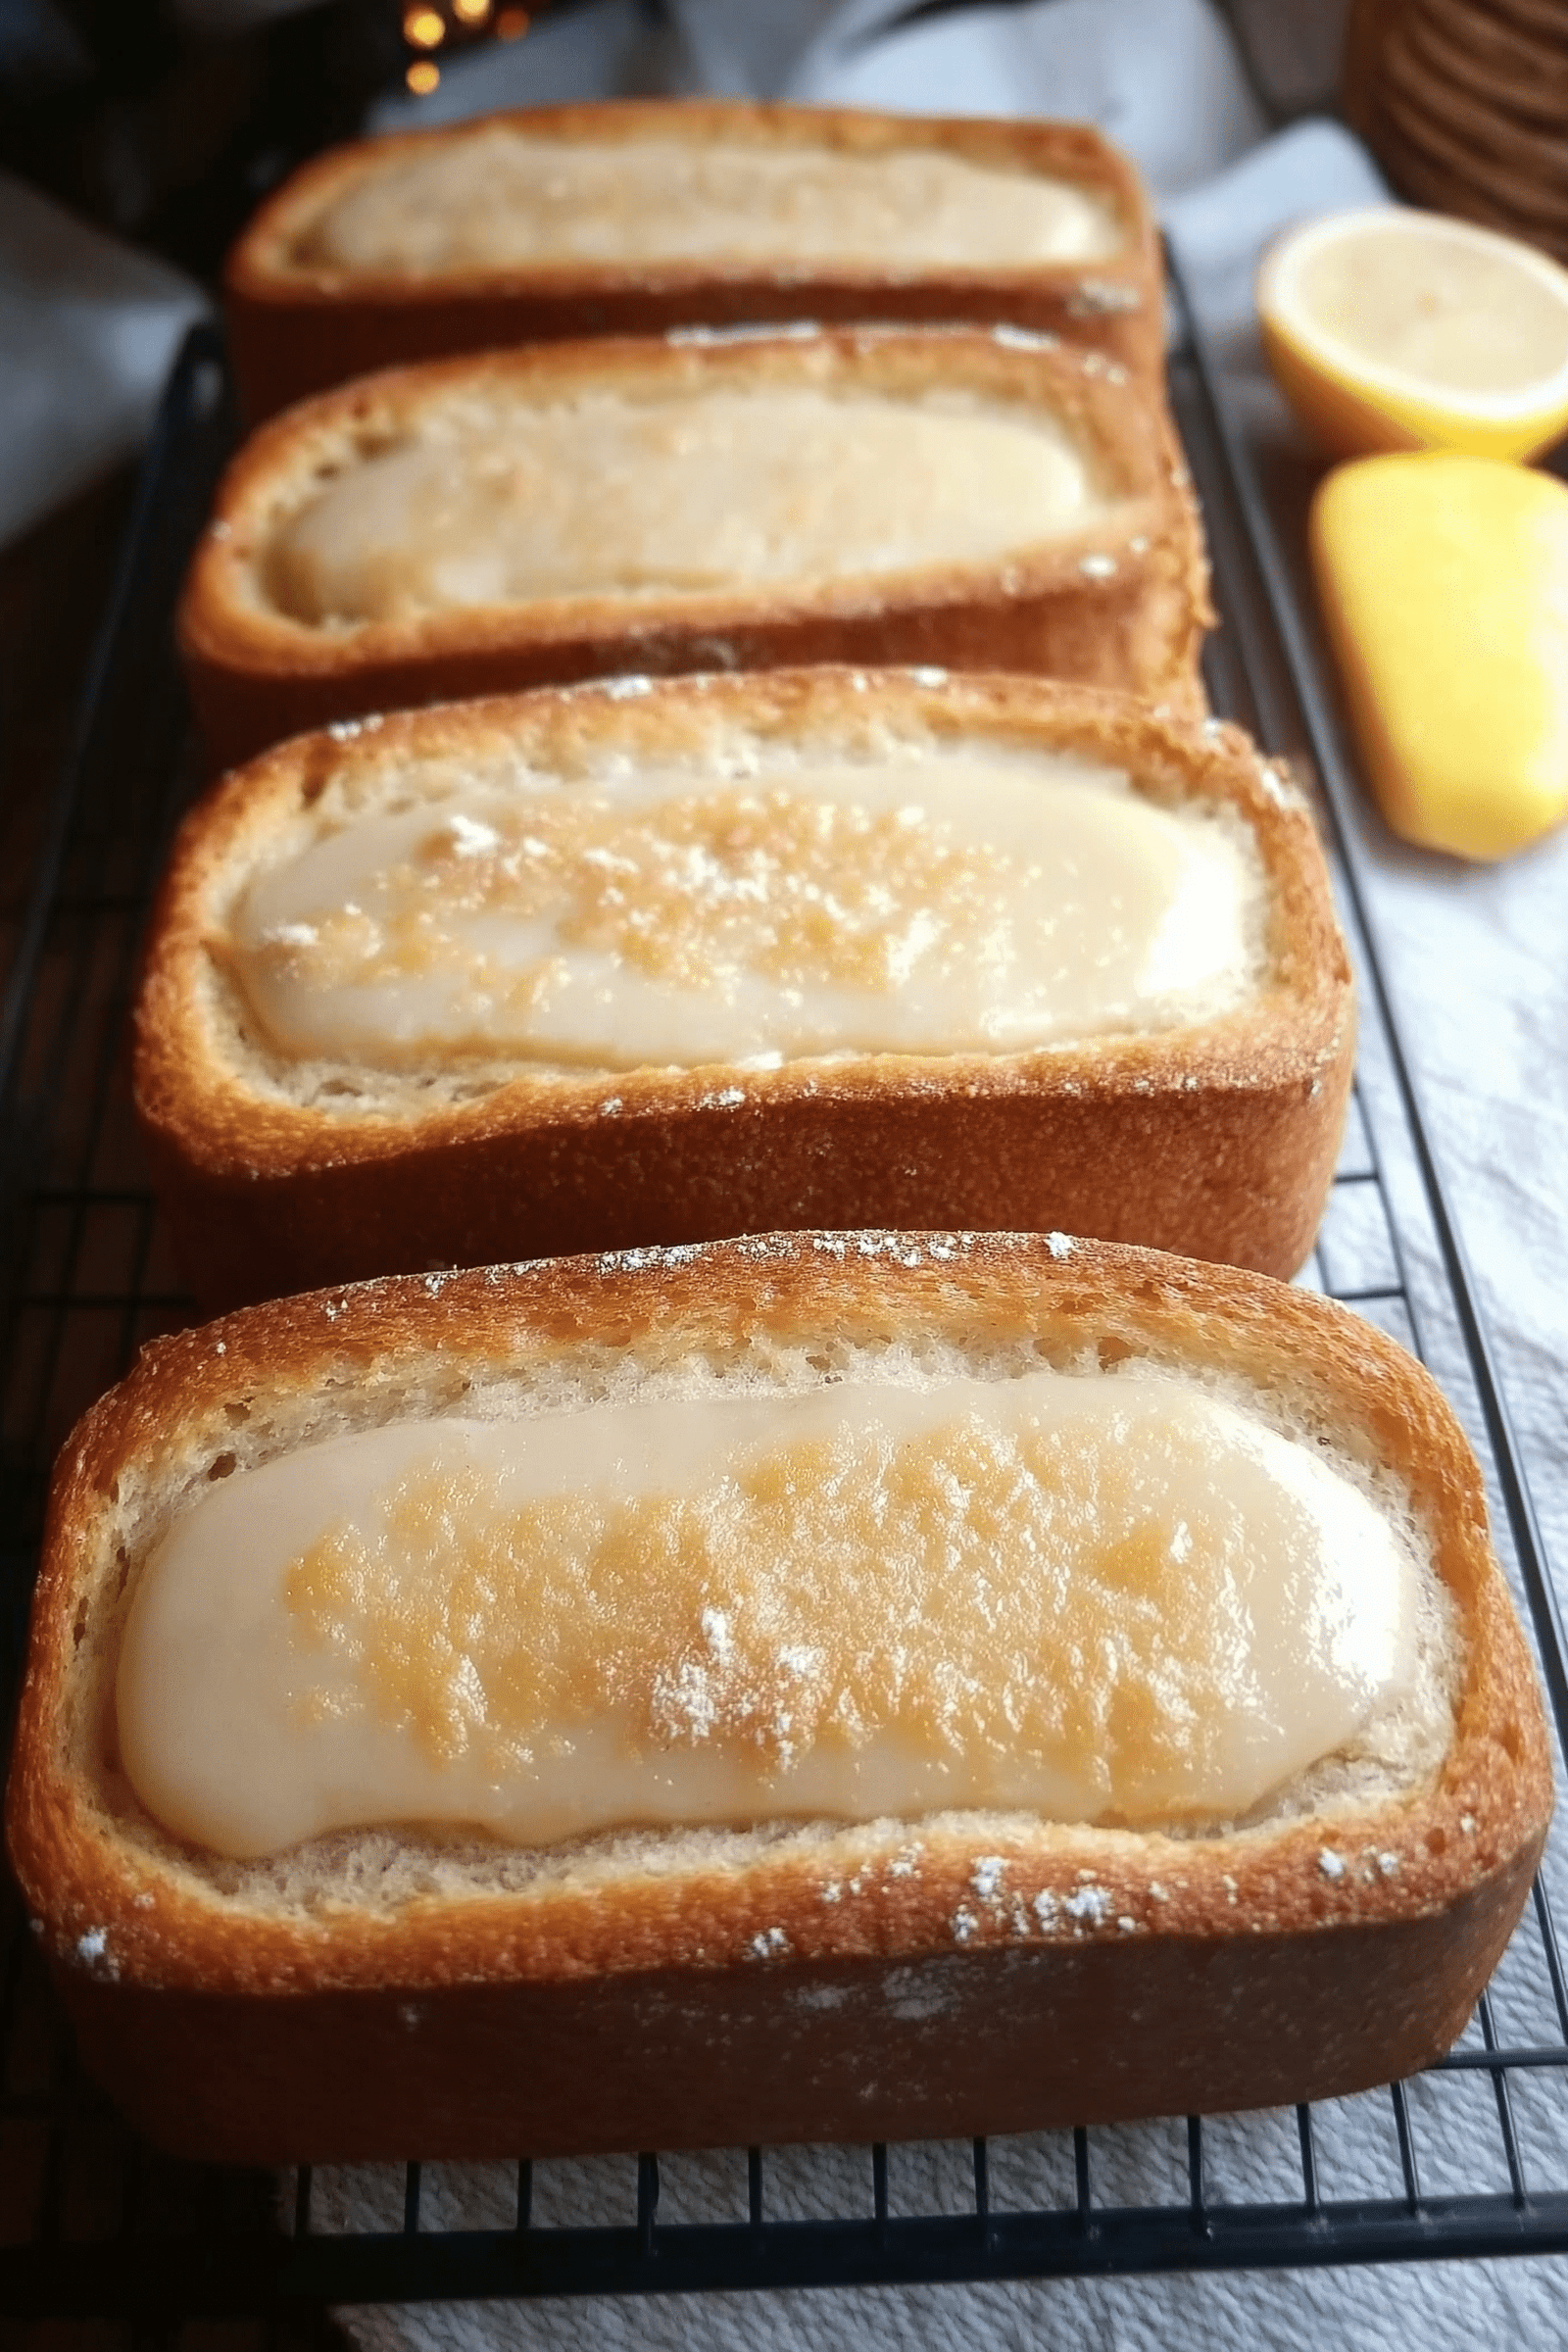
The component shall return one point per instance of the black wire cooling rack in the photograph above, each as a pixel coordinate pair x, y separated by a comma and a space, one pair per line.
1469, 2159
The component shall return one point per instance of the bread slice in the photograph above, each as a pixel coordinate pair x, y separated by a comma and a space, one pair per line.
379, 1990
1206, 1123
443, 241
529, 518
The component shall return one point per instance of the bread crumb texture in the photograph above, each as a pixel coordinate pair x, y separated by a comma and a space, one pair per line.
1404, 1819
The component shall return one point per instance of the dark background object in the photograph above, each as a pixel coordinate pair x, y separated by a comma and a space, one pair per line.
171, 137
1465, 104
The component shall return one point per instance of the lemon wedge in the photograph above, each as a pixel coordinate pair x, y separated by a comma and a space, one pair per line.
1444, 581
1395, 329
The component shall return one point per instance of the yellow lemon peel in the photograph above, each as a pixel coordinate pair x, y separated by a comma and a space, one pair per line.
1394, 329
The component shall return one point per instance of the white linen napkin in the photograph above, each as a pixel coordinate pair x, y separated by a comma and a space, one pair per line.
1161, 77
1476, 956
88, 329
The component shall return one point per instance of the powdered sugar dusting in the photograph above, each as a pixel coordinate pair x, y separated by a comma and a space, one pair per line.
987, 1876
781, 331
653, 1255
1024, 338
92, 1950
914, 1994
1102, 298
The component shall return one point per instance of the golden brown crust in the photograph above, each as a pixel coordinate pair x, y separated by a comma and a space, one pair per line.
1121, 603
1217, 1141
933, 1976
296, 327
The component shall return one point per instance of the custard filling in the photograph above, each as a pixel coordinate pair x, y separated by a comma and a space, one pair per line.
1116, 1598
685, 493
499, 198
965, 899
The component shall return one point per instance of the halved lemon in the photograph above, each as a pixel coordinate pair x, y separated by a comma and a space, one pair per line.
1397, 330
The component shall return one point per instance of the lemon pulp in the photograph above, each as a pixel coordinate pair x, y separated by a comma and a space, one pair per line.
1399, 329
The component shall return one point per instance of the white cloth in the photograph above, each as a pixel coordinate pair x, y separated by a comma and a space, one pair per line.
89, 327
1162, 77
1476, 956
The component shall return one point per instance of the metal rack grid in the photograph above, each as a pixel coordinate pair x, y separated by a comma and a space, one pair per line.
1469, 2159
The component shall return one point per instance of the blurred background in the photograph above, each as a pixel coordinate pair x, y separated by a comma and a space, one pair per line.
166, 120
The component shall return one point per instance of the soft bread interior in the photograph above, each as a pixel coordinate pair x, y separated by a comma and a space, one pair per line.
1396, 1754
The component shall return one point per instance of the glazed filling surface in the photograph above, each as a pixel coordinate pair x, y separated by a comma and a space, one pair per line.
1098, 1598
689, 491
966, 899
498, 197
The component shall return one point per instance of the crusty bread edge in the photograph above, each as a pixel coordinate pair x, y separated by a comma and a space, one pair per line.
1216, 1139
1121, 603
108, 1912
295, 329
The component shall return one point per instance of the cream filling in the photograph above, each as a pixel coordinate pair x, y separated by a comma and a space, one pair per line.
499, 198
1092, 1597
686, 493
962, 899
